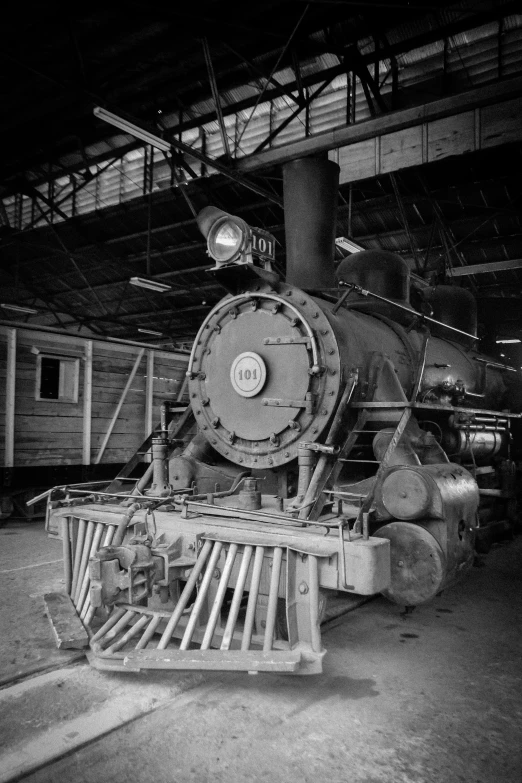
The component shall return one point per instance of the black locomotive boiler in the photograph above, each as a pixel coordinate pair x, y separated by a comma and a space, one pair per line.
337, 440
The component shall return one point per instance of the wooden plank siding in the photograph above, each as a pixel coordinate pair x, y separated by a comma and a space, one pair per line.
462, 132
50, 432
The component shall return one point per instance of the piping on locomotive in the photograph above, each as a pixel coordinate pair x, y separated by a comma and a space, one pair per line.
334, 444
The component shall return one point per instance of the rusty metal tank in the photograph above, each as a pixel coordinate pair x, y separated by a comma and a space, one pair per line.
431, 513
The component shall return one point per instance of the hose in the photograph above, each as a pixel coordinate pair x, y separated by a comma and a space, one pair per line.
124, 524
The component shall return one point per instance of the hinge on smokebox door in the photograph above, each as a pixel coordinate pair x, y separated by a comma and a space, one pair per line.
287, 341
276, 402
258, 637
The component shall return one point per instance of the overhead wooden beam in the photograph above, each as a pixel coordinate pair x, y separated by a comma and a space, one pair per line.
492, 266
385, 124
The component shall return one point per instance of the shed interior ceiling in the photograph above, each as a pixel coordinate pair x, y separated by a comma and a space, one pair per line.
84, 207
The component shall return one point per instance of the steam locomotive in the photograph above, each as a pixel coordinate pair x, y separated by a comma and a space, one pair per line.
338, 440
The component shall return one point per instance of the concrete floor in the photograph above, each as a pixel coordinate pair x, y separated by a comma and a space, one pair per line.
430, 697
30, 564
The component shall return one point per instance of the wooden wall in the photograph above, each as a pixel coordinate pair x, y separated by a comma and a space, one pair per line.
468, 131
52, 432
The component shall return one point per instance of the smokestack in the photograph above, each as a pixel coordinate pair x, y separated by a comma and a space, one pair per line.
310, 202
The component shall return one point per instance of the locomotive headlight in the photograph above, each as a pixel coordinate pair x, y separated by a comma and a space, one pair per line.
227, 239
232, 241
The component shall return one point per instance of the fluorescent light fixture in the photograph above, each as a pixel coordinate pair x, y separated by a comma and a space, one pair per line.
19, 309
134, 130
154, 285
150, 331
346, 244
505, 342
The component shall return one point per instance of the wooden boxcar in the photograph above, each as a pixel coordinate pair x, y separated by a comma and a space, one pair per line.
75, 408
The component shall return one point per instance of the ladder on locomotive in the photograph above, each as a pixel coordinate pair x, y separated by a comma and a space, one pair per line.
329, 472
178, 430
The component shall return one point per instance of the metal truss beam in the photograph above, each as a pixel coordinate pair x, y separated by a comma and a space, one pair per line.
302, 105
52, 307
272, 72
54, 206
296, 66
354, 61
467, 21
175, 314
170, 311
372, 205
259, 72
269, 95
167, 146
215, 96
71, 256
37, 195
405, 221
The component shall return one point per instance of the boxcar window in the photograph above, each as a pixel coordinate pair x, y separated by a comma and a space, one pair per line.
57, 378
49, 378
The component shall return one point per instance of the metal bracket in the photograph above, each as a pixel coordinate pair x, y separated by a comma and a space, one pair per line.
342, 556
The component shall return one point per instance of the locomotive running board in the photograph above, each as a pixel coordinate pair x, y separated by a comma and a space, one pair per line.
249, 638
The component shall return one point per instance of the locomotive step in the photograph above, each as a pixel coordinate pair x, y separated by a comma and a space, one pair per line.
250, 661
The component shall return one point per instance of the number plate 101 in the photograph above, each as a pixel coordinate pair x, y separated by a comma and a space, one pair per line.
263, 244
248, 374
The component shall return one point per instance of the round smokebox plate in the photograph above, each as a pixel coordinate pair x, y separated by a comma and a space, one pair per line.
248, 374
